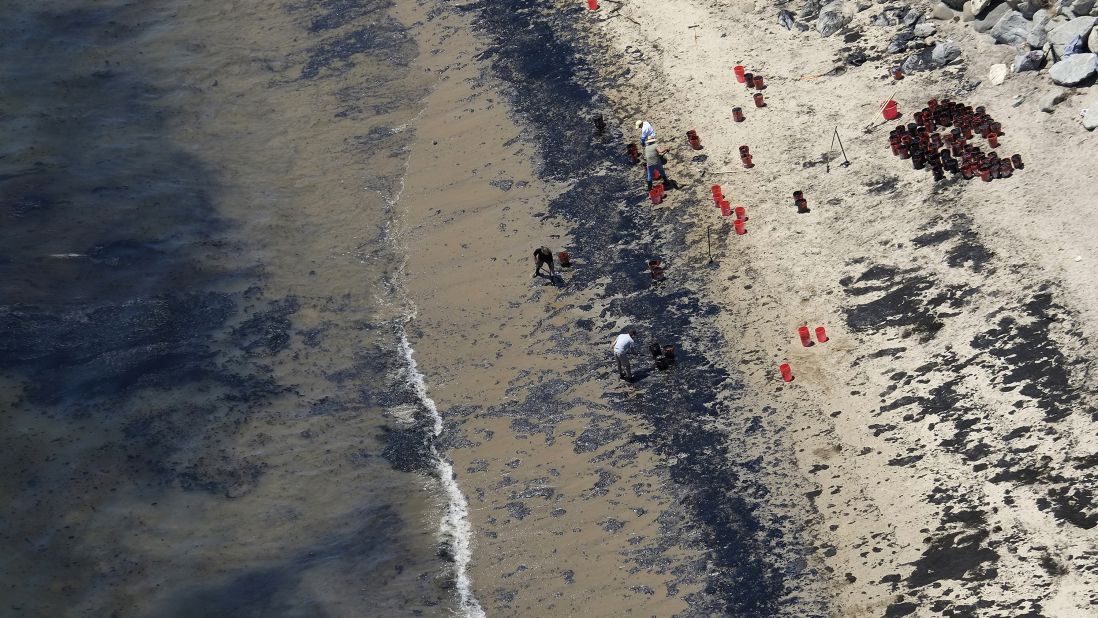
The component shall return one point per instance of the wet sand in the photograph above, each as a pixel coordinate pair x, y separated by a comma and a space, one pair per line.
552, 524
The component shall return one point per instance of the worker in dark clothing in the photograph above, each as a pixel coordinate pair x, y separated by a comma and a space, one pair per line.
653, 159
543, 257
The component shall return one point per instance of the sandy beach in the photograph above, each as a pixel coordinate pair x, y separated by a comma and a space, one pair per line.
273, 345
931, 457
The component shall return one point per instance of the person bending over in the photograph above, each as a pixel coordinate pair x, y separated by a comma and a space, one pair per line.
624, 344
542, 257
653, 158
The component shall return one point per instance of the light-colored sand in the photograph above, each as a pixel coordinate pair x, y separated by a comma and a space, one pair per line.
876, 510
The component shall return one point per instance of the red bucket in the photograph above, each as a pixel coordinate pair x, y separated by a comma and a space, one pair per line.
891, 112
787, 373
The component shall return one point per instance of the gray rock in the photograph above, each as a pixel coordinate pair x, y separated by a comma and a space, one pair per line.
942, 12
997, 74
1049, 102
1092, 41
1027, 7
931, 58
900, 41
1074, 69
862, 5
966, 12
945, 52
786, 19
1037, 39
1029, 61
1064, 33
913, 17
1038, 36
832, 18
1041, 18
1018, 100
980, 6
1090, 112
880, 20
1011, 29
924, 30
810, 9
954, 4
1055, 21
989, 20
1078, 45
1082, 7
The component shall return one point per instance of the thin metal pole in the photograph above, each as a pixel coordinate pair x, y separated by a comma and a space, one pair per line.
846, 161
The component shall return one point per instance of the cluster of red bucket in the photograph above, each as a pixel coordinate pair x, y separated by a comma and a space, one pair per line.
726, 210
926, 148
806, 341
741, 213
752, 82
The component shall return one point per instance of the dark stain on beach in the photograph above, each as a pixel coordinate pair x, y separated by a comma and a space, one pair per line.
545, 73
907, 298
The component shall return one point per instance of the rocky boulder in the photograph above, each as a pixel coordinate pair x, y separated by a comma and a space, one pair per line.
979, 6
956, 5
1082, 7
1090, 113
832, 18
1026, 7
1063, 34
1038, 31
1052, 99
1092, 42
1011, 29
1029, 61
924, 30
992, 18
943, 12
1074, 70
931, 58
900, 41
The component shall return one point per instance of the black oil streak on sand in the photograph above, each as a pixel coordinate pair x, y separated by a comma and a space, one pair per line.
739, 571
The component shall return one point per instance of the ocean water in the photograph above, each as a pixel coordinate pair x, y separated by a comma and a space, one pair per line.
208, 403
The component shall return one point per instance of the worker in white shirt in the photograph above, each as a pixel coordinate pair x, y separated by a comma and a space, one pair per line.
647, 132
623, 345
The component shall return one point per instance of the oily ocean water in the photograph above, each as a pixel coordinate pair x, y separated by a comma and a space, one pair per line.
209, 404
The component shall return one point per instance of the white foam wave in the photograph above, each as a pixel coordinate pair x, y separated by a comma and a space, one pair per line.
454, 528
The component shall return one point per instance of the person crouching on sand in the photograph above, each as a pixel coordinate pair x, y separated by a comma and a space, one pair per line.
543, 256
624, 344
653, 159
